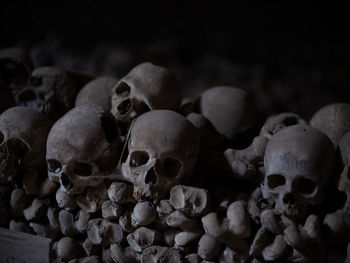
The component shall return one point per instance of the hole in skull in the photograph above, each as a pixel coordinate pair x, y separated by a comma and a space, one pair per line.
304, 185
288, 199
1, 137
27, 98
66, 182
109, 127
289, 121
151, 177
123, 89
138, 158
124, 107
36, 81
82, 169
275, 180
54, 166
171, 167
17, 147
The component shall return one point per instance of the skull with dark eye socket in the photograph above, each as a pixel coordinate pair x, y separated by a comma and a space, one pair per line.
163, 150
23, 133
82, 146
298, 163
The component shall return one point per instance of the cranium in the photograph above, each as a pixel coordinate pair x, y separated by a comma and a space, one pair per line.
81, 146
146, 87
23, 134
344, 180
49, 90
298, 162
163, 149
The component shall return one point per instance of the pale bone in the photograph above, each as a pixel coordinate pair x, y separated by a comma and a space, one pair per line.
90, 259
67, 248
190, 228
272, 222
18, 202
333, 120
124, 254
92, 198
158, 254
219, 104
23, 134
192, 258
144, 213
344, 186
208, 247
97, 91
51, 229
36, 210
337, 222
19, 226
65, 201
298, 164
90, 248
106, 255
302, 236
231, 256
67, 225
261, 240
146, 87
111, 210
126, 222
191, 201
142, 238
209, 136
46, 187
245, 163
121, 193
276, 123
275, 250
102, 232
163, 150
82, 147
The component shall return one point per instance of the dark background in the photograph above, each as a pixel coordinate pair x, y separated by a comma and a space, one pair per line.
291, 57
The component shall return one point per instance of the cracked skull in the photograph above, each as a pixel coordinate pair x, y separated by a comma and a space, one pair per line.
146, 87
298, 163
163, 149
23, 134
49, 90
82, 145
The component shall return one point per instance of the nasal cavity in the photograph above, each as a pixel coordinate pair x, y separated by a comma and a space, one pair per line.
66, 182
27, 98
151, 177
124, 107
288, 199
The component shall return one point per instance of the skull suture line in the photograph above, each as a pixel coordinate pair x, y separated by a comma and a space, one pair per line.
146, 87
163, 150
23, 134
298, 163
82, 145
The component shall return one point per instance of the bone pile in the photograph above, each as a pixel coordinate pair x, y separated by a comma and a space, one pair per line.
128, 171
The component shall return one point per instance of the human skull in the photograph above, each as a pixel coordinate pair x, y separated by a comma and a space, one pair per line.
298, 162
23, 134
82, 145
49, 90
146, 87
344, 180
163, 149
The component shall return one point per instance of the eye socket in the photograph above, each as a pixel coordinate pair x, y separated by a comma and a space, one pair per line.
171, 167
304, 185
54, 166
275, 180
82, 169
123, 89
138, 158
17, 147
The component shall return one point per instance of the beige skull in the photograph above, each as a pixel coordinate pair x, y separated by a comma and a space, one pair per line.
82, 145
163, 150
298, 162
146, 87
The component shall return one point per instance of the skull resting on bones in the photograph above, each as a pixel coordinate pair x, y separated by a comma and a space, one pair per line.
49, 90
298, 163
163, 149
146, 87
82, 145
23, 134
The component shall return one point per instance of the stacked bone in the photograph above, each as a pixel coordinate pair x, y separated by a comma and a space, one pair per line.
133, 173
